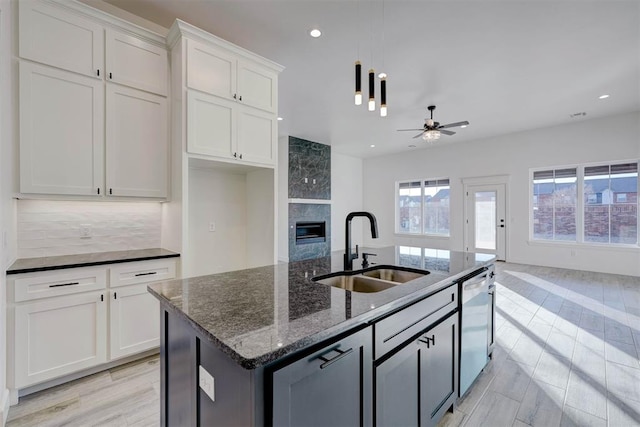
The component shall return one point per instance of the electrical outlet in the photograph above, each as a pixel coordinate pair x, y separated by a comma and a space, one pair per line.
206, 383
85, 231
212, 226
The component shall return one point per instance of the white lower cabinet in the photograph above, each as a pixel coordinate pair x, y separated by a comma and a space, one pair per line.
134, 323
58, 336
66, 321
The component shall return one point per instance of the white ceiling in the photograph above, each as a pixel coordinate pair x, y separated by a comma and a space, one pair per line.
505, 66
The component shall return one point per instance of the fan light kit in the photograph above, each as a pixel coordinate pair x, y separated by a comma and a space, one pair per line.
432, 130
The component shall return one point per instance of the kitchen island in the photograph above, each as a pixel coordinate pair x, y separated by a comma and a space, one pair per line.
236, 347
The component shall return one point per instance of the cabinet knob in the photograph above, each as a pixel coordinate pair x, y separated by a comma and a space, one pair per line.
235, 154
241, 156
235, 96
240, 97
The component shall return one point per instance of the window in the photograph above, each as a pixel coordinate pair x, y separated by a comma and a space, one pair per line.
423, 207
554, 204
609, 204
611, 213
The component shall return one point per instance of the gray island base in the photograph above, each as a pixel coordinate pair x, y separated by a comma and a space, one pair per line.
271, 346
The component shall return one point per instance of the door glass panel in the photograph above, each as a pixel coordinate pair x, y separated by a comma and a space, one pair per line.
485, 220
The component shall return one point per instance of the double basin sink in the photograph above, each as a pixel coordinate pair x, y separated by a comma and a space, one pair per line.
374, 279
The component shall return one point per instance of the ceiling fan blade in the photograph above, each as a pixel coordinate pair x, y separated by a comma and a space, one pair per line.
452, 125
420, 134
446, 132
402, 130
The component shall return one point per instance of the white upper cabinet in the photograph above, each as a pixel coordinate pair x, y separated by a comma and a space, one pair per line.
56, 37
61, 132
214, 70
211, 70
136, 63
257, 86
137, 143
64, 140
257, 136
211, 126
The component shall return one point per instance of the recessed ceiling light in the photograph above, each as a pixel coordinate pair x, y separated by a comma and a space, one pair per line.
372, 146
315, 33
603, 96
280, 119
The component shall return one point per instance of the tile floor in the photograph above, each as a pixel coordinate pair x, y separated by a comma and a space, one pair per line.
566, 355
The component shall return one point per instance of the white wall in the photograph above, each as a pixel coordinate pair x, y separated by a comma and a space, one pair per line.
346, 196
8, 161
216, 196
49, 228
601, 140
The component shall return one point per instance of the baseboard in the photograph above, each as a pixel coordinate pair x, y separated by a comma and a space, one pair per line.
4, 407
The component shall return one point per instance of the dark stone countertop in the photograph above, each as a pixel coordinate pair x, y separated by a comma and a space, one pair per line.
259, 315
30, 265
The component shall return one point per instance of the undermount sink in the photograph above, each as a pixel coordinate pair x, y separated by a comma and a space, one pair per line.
394, 275
373, 280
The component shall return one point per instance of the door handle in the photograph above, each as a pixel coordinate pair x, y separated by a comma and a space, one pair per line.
334, 359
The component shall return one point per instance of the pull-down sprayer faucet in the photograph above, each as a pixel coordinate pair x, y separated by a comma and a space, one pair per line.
348, 256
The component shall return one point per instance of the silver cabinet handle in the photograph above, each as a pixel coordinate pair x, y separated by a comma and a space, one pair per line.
58, 285
334, 359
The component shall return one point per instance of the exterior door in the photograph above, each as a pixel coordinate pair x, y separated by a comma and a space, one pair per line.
486, 222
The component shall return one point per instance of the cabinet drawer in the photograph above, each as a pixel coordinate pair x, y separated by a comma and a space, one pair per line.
142, 272
51, 284
397, 328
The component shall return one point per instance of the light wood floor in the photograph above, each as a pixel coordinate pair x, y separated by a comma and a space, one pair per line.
567, 355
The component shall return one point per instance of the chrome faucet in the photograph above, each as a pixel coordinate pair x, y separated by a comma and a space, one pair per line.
348, 256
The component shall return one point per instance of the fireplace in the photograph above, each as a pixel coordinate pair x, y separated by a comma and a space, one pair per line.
310, 232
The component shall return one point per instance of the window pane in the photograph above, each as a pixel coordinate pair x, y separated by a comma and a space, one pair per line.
554, 204
409, 207
436, 207
485, 209
611, 204
565, 201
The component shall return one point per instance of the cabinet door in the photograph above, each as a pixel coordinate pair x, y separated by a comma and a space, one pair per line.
257, 86
211, 70
53, 36
61, 132
257, 135
134, 321
210, 125
438, 370
397, 384
136, 63
330, 387
137, 145
58, 336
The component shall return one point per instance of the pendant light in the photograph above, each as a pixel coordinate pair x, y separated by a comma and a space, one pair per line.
383, 95
372, 88
383, 76
358, 97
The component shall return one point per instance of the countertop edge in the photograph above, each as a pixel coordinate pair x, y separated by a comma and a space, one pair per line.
90, 264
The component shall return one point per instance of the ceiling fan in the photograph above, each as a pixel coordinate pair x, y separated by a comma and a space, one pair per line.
432, 130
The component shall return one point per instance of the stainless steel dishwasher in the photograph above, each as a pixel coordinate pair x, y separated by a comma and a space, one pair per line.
474, 322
